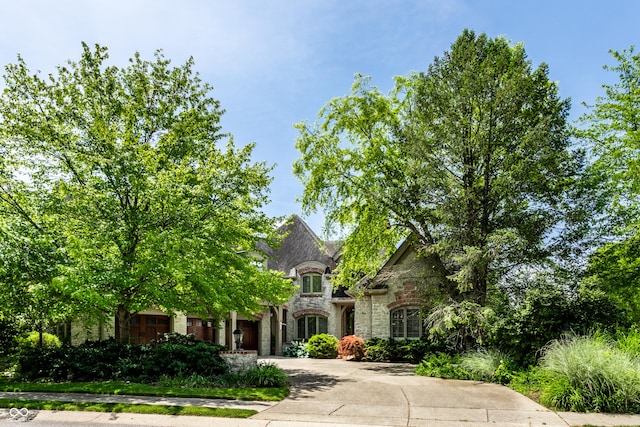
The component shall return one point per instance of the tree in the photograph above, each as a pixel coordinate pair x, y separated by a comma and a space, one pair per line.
615, 269
612, 128
472, 158
146, 203
29, 261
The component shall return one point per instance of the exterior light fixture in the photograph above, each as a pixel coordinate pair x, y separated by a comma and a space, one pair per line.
237, 337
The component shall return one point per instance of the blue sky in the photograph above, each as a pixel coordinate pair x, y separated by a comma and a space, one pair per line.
274, 63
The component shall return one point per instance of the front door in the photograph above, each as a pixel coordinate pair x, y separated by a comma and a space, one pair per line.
348, 321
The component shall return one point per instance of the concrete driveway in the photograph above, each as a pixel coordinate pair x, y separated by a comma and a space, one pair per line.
382, 394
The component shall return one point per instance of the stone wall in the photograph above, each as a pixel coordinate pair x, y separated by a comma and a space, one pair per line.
320, 304
240, 360
408, 277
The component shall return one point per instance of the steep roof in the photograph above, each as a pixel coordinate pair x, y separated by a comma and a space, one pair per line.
300, 244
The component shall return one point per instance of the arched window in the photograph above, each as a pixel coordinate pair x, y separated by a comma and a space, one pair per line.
406, 322
311, 325
312, 283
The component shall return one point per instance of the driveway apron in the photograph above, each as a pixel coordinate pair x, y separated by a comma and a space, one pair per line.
383, 394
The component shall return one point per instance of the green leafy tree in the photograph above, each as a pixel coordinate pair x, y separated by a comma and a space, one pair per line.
615, 269
29, 261
612, 128
147, 202
472, 158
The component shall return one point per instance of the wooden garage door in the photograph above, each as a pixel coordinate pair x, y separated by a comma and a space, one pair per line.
145, 327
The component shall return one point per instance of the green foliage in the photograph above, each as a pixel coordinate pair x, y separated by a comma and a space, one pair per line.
54, 405
9, 330
611, 127
110, 360
591, 375
488, 365
29, 260
379, 350
129, 193
266, 375
472, 158
296, 349
529, 382
176, 359
442, 365
413, 351
204, 387
32, 341
323, 346
629, 341
540, 308
615, 269
351, 347
491, 366
460, 326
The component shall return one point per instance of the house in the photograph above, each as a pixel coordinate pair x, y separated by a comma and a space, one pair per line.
316, 307
389, 305
386, 306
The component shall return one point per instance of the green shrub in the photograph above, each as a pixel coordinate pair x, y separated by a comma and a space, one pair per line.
9, 330
529, 382
323, 346
537, 309
176, 338
460, 326
629, 341
296, 349
487, 365
265, 375
442, 365
32, 340
351, 347
182, 360
191, 381
378, 350
111, 360
413, 351
591, 375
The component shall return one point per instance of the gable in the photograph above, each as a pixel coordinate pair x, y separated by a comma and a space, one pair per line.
300, 245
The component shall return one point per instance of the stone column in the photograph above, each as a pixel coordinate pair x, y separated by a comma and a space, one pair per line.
232, 327
180, 324
222, 334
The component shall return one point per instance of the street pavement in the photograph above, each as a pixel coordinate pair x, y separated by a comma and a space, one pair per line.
337, 393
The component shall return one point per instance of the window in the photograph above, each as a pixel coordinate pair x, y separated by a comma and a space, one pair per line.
406, 322
309, 326
312, 284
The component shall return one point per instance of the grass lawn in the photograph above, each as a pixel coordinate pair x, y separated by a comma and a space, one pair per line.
274, 394
54, 405
269, 394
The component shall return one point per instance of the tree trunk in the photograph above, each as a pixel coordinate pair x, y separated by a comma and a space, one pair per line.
124, 325
480, 287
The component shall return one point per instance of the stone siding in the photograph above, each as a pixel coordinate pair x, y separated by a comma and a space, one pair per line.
240, 360
319, 304
408, 277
